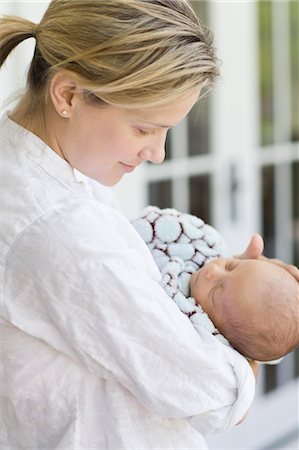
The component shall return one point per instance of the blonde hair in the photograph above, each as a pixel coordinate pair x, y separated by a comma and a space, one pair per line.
128, 53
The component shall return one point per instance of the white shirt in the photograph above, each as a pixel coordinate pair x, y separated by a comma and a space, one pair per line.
94, 354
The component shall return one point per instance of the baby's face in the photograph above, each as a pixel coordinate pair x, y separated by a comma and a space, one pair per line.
227, 283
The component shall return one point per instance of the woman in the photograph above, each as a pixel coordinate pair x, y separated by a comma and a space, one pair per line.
94, 353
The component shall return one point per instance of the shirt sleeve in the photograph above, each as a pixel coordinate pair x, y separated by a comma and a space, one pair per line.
81, 280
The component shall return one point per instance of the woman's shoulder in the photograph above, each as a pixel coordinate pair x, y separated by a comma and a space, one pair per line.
83, 239
77, 224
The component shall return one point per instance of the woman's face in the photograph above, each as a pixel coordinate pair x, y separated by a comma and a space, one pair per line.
106, 142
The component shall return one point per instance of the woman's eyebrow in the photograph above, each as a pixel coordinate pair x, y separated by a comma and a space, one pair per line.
157, 125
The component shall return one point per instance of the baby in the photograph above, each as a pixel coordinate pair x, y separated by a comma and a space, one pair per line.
252, 305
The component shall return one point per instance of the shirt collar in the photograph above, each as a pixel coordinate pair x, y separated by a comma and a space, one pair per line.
39, 151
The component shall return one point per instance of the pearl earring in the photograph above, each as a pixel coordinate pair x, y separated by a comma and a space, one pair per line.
64, 112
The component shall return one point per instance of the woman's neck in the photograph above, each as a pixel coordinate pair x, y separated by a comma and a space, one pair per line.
29, 115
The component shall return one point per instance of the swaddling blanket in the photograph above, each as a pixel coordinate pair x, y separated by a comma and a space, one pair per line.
181, 244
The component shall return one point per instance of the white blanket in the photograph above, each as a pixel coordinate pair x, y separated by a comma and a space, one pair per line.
181, 244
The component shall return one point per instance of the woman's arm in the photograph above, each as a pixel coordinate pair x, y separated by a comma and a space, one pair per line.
95, 293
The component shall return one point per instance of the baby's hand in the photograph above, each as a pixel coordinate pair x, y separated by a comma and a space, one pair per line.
255, 249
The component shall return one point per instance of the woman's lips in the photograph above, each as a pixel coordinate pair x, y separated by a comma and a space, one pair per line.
127, 167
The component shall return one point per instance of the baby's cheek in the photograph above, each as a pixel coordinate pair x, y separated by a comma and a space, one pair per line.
194, 292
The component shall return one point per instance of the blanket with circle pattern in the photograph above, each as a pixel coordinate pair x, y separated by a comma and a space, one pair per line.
181, 244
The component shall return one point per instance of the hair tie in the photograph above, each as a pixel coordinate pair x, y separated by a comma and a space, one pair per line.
35, 30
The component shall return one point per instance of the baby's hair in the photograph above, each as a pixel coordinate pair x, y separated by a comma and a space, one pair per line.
127, 53
272, 331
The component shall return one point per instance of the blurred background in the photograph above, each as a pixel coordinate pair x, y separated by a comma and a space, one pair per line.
234, 162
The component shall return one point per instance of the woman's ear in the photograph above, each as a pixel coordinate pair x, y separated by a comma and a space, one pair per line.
63, 93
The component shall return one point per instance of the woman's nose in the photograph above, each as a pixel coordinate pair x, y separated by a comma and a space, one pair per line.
155, 151
158, 155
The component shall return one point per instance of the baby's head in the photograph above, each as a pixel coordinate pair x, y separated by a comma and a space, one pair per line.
253, 303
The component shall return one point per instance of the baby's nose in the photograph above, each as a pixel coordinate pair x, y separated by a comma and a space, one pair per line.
213, 271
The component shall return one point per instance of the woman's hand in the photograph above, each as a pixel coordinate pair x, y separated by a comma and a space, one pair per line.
255, 249
254, 366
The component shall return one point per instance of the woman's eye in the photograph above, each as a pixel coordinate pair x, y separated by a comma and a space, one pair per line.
145, 132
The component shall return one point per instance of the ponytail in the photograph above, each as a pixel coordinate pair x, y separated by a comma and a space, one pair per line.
14, 30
